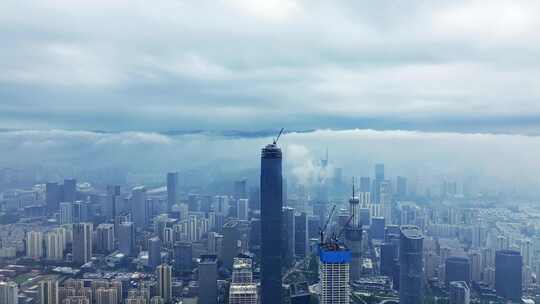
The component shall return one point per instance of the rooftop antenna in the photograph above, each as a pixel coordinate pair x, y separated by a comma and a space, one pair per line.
277, 138
353, 187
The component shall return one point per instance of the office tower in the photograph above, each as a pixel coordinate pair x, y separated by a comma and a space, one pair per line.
242, 289
82, 243
300, 293
208, 279
242, 209
411, 274
288, 232
301, 239
164, 275
457, 269
154, 252
459, 293
9, 293
508, 276
54, 245
365, 184
34, 244
183, 257
254, 198
70, 190
48, 292
105, 238
52, 197
401, 187
172, 189
231, 238
388, 257
126, 238
334, 270
66, 213
376, 229
271, 223
139, 212
526, 252
353, 237
240, 189
107, 296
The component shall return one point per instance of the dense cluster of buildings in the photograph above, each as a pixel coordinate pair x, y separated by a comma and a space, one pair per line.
278, 241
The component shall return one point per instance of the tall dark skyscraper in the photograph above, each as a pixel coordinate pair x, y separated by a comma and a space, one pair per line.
271, 219
154, 252
172, 189
508, 269
82, 243
301, 239
411, 274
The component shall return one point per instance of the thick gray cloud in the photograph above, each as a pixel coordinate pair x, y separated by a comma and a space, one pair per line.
136, 65
494, 162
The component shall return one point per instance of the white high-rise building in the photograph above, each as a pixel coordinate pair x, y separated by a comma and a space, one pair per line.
54, 245
34, 244
242, 209
48, 292
459, 293
9, 293
242, 289
66, 213
334, 263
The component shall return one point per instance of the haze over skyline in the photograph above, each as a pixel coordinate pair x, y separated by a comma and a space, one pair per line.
460, 66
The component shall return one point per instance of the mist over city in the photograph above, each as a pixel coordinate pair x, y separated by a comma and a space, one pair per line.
269, 152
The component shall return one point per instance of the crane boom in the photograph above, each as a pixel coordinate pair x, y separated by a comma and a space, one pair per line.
279, 135
327, 222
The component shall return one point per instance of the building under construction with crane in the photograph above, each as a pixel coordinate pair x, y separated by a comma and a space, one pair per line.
334, 261
353, 236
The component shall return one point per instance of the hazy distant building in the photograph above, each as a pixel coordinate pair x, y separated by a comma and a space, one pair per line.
208, 279
183, 257
242, 209
164, 276
401, 187
70, 190
66, 213
139, 211
411, 275
377, 228
301, 238
52, 197
126, 238
240, 189
172, 189
105, 242
34, 244
154, 252
82, 243
288, 233
508, 274
271, 223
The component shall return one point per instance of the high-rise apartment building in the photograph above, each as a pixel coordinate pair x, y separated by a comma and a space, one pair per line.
82, 243
9, 293
126, 238
48, 292
164, 276
34, 244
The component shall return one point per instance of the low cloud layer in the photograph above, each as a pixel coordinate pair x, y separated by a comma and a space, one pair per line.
496, 162
452, 66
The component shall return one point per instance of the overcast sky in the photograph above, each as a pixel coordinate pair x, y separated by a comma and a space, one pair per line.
457, 66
